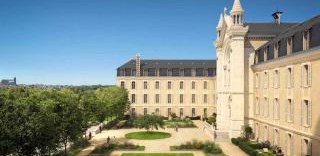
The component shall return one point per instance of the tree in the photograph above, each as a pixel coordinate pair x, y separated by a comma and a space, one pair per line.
69, 117
248, 132
149, 122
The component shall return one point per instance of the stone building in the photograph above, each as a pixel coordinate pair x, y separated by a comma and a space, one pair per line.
163, 87
267, 78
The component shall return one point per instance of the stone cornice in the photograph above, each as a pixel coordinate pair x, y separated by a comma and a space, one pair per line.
309, 135
296, 58
237, 31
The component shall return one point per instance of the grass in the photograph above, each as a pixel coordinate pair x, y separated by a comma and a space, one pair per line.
147, 135
157, 154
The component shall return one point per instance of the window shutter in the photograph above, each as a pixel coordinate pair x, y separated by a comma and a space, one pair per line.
301, 85
310, 112
287, 78
309, 76
292, 77
302, 113
292, 110
286, 113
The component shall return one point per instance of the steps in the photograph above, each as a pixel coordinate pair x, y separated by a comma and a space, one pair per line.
222, 136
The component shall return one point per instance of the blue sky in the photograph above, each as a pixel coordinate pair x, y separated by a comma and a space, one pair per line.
82, 42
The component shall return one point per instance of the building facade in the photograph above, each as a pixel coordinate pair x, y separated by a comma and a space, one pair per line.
8, 82
267, 78
164, 87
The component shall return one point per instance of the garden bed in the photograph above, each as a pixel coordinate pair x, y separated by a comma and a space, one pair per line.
208, 147
180, 123
252, 148
107, 149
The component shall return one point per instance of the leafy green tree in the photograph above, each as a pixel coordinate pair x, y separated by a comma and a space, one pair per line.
149, 122
248, 132
68, 116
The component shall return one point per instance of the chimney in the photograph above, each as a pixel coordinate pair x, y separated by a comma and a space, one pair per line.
277, 17
138, 64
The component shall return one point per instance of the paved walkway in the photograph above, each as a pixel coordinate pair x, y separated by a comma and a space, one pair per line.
161, 145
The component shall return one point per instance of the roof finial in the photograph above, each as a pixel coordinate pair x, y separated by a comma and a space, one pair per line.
237, 6
220, 21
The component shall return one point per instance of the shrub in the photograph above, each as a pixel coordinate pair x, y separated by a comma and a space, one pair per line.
207, 147
235, 141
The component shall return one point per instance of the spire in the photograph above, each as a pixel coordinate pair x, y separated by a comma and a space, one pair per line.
236, 7
220, 22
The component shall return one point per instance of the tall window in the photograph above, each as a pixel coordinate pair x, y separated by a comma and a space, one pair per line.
306, 78
205, 85
181, 112
276, 79
205, 112
133, 98
122, 84
306, 112
193, 85
306, 147
169, 84
306, 39
145, 85
157, 111
145, 98
257, 80
157, 98
151, 71
276, 49
276, 137
289, 77
133, 85
266, 107
289, 143
193, 100
289, 110
181, 84
145, 111
290, 45
276, 109
157, 85
193, 112
169, 98
181, 98
266, 79
187, 72
257, 106
169, 112
266, 133
205, 98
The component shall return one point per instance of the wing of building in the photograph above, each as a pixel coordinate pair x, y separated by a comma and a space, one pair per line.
267, 79
163, 87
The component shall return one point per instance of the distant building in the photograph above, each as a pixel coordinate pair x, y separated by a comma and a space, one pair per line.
9, 82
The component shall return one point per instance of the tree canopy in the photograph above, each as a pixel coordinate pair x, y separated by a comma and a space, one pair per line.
38, 121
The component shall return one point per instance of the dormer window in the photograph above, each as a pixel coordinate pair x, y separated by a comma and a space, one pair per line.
306, 39
290, 45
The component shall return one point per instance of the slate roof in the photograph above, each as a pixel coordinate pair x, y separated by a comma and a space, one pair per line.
170, 64
294, 29
268, 29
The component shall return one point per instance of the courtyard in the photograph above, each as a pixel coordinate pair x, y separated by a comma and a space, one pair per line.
160, 145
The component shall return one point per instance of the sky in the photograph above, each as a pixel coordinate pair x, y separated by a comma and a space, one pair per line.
82, 42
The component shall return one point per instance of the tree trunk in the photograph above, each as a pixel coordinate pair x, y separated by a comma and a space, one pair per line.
65, 147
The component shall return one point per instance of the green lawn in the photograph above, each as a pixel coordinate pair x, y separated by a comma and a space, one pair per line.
147, 135
157, 154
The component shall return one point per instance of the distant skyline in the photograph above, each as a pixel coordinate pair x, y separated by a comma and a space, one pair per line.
81, 42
